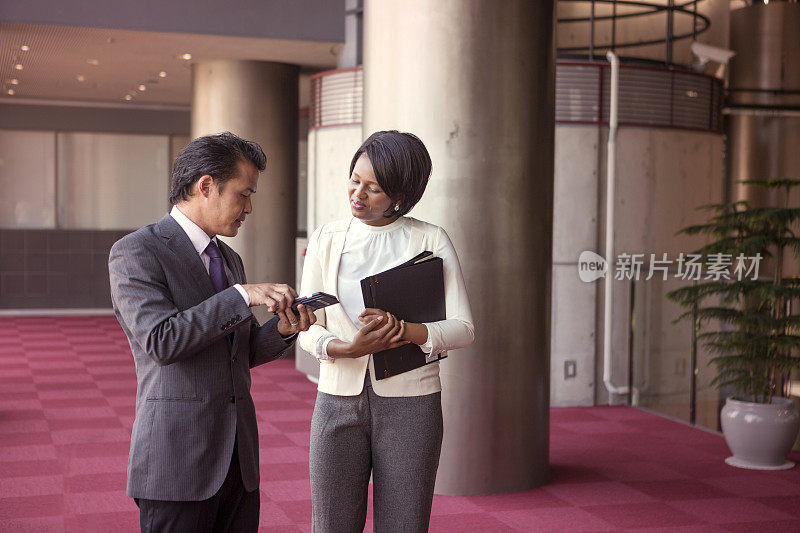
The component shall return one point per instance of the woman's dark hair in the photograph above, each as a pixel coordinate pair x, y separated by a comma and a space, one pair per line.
216, 155
402, 167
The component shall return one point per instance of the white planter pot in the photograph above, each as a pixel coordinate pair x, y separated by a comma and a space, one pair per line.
760, 435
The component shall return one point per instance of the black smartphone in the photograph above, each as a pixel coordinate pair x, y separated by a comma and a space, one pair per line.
318, 300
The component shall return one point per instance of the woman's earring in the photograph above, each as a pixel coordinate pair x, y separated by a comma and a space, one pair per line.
397, 207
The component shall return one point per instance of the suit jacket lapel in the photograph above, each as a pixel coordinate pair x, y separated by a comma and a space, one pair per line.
181, 245
335, 257
332, 270
231, 266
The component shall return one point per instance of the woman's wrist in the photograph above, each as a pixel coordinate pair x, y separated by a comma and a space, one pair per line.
416, 333
340, 349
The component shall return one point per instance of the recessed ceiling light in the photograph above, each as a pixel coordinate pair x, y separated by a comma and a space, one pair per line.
94, 62
24, 47
128, 97
11, 92
162, 74
186, 56
142, 87
13, 81
81, 78
18, 66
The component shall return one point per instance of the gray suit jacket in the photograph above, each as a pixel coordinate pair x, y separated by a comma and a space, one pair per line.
193, 349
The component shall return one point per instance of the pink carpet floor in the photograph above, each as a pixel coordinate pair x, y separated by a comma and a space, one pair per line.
67, 390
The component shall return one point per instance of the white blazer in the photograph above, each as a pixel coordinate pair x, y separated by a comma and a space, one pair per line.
345, 376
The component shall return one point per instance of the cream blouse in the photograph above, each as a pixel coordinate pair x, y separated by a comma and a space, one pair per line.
338, 256
368, 250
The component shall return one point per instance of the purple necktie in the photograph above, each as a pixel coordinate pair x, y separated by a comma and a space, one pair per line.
216, 268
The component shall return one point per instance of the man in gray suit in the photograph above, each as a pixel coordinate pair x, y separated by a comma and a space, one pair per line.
182, 298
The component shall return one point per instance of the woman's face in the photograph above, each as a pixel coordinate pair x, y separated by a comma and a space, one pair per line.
368, 202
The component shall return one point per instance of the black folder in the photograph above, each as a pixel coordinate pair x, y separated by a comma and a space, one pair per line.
414, 292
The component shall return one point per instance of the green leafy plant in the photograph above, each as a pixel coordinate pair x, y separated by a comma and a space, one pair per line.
747, 323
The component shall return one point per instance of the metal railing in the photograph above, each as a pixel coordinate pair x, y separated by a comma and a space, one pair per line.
634, 11
647, 307
336, 98
651, 327
649, 96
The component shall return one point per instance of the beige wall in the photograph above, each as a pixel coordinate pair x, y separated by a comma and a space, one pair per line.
662, 176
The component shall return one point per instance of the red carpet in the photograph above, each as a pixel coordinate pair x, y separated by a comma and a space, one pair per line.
67, 390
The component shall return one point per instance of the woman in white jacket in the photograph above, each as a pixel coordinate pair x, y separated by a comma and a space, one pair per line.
390, 428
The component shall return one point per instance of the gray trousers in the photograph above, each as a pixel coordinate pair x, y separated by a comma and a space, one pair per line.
397, 439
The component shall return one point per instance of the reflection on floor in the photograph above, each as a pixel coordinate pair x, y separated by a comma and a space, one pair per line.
67, 389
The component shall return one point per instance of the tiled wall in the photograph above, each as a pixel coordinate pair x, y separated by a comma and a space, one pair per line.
51, 269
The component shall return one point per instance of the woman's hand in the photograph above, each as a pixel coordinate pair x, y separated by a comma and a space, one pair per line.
369, 313
416, 333
382, 332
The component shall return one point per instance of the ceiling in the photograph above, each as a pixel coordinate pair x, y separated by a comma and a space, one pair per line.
91, 65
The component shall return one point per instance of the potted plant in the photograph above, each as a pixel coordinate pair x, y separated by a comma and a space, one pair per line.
748, 323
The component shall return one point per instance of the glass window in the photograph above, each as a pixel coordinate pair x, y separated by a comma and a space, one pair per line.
27, 179
111, 181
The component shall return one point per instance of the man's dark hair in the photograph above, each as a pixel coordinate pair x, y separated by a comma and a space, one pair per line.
402, 167
216, 155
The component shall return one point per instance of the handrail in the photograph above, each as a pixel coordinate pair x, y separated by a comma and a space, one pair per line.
637, 386
664, 97
581, 96
700, 24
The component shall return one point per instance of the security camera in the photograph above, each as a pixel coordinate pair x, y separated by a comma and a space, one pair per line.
706, 53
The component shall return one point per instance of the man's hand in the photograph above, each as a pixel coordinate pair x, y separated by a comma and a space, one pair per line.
276, 296
289, 323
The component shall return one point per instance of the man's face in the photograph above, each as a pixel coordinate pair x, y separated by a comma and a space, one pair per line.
227, 209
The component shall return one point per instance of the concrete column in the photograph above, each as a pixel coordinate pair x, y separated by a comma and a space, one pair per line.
351, 54
763, 127
257, 100
475, 80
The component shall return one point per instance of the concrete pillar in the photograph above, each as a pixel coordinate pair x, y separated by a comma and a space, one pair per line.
257, 100
763, 127
351, 53
475, 80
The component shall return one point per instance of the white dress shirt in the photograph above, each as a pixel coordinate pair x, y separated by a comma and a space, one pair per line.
200, 240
